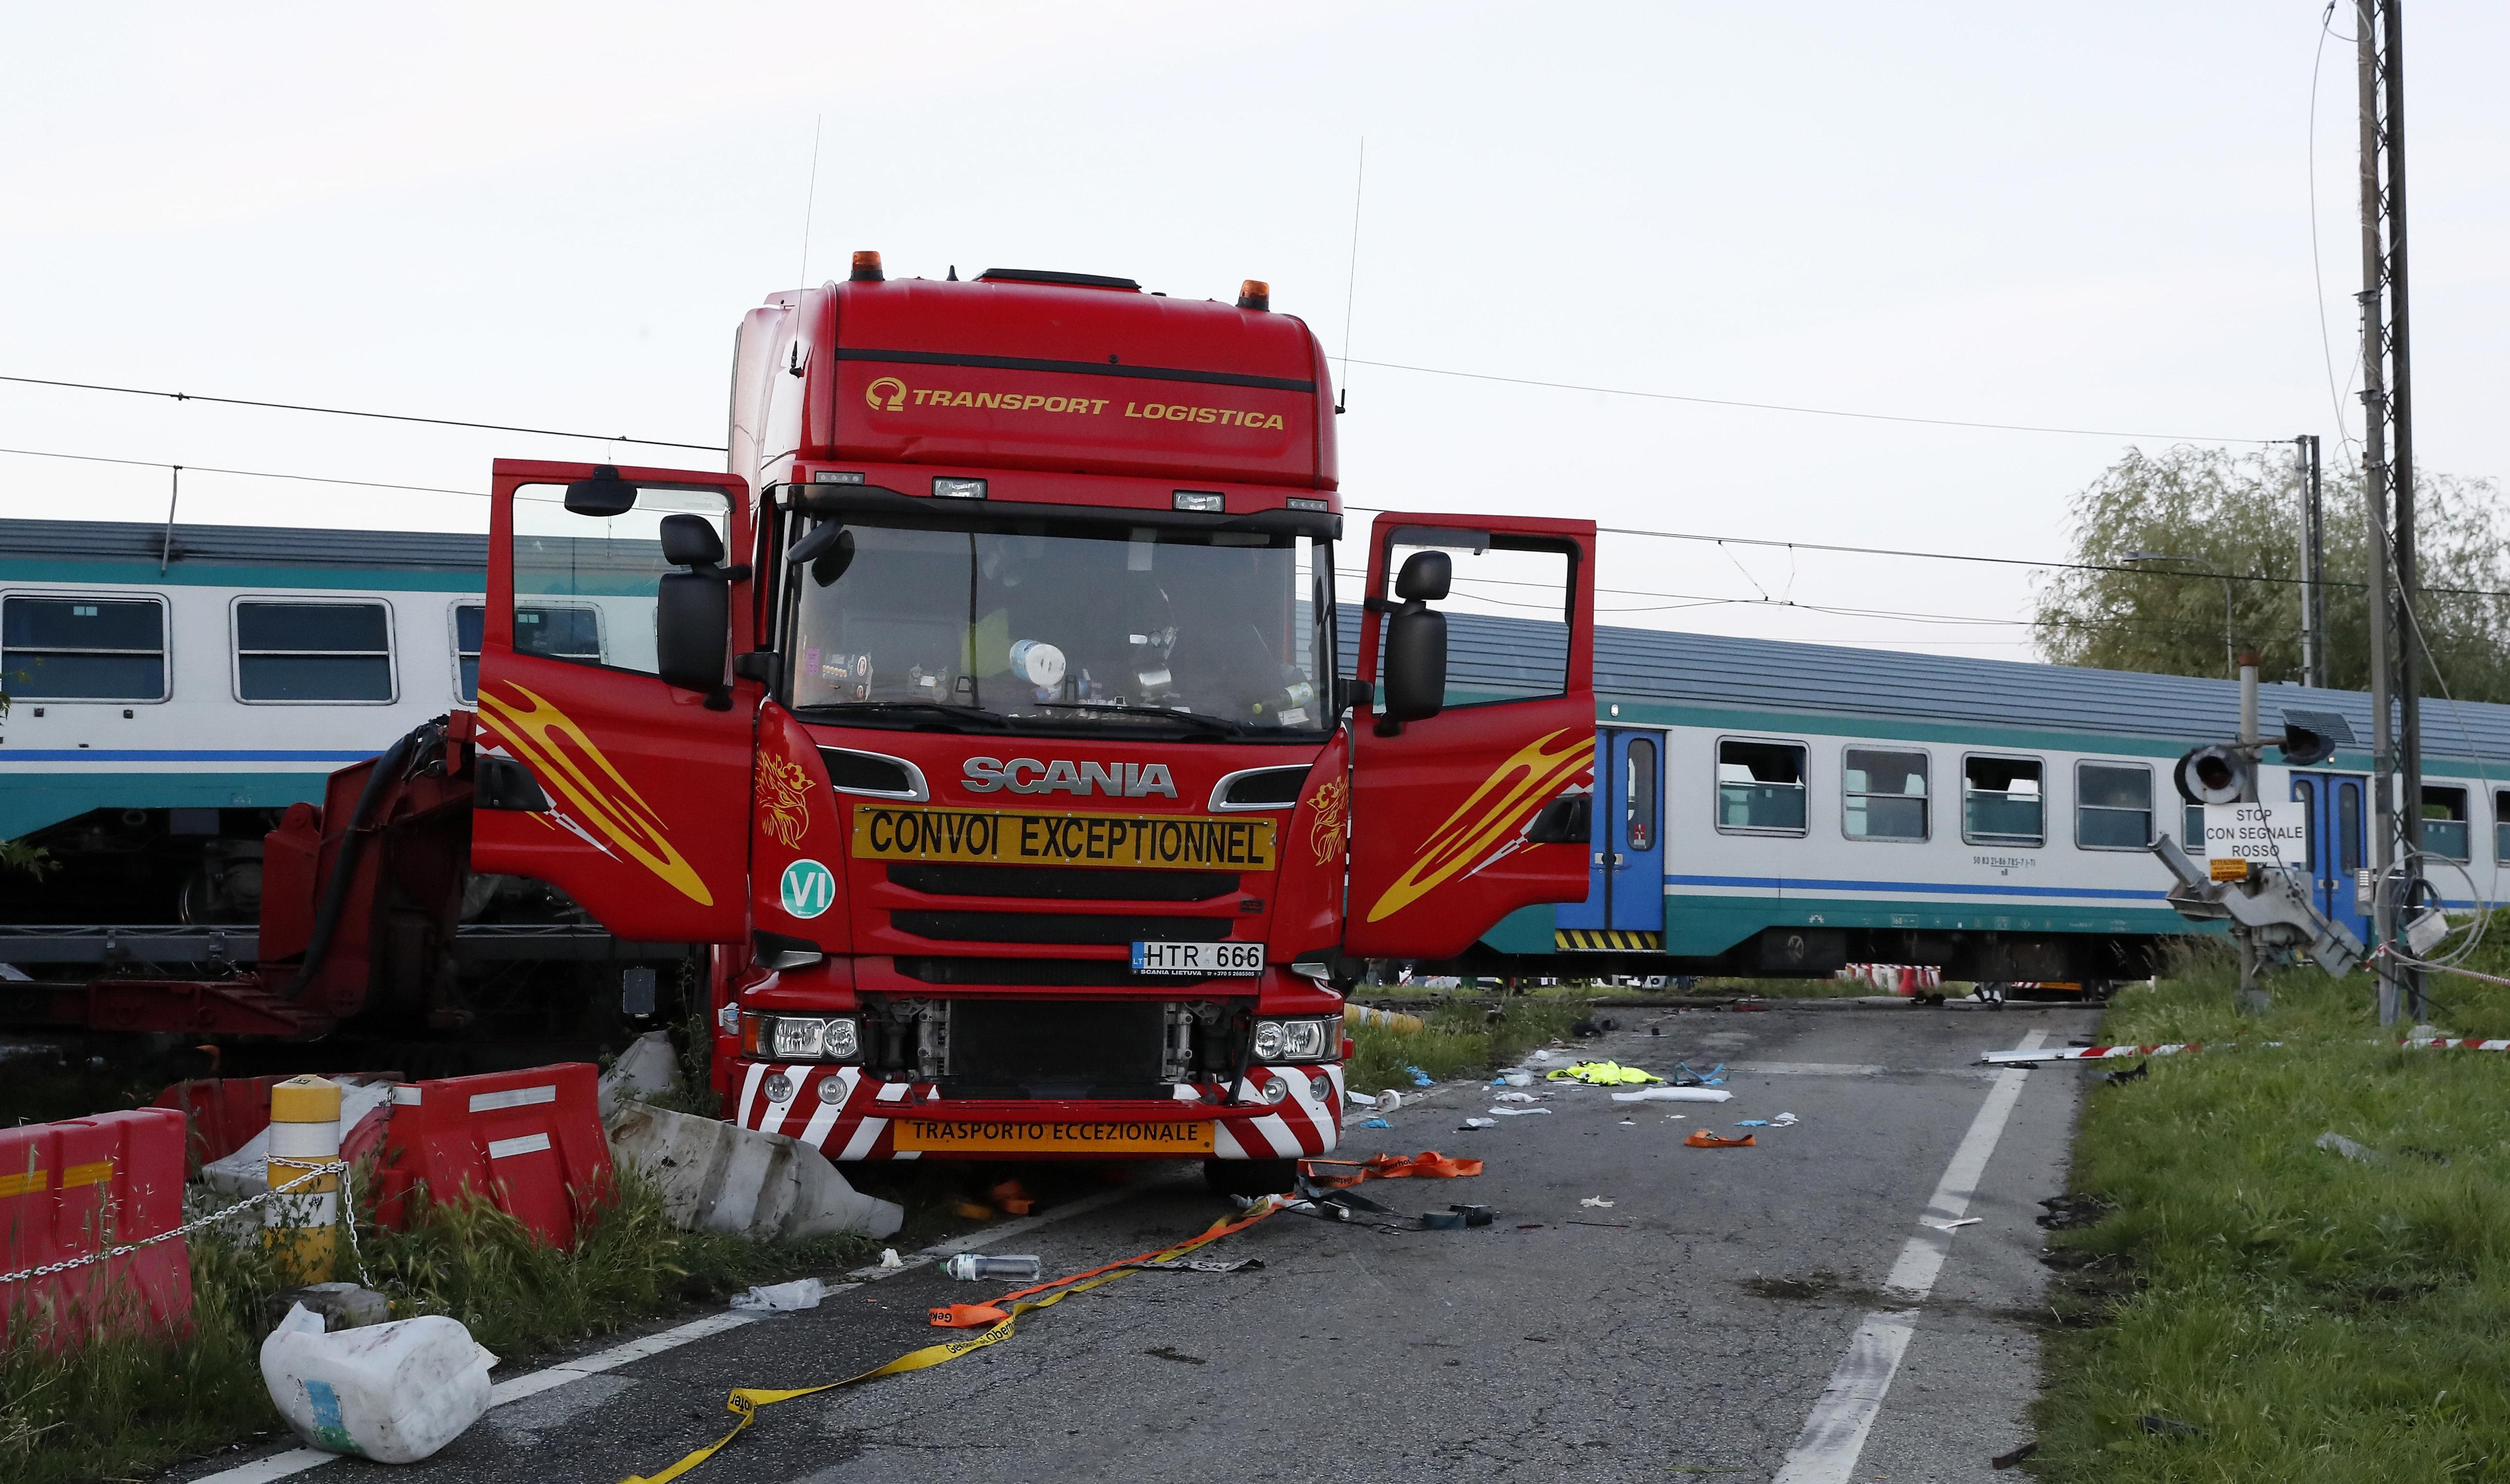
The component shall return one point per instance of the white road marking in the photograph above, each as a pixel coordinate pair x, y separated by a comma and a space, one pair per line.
296, 1461
1834, 1435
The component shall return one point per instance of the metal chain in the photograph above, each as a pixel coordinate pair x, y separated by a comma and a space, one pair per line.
338, 1167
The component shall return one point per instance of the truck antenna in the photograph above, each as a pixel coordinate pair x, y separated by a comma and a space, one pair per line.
810, 205
1351, 278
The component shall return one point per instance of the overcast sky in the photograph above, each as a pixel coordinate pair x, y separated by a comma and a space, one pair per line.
2091, 218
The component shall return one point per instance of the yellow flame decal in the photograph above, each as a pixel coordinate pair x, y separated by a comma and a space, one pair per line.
1493, 815
566, 761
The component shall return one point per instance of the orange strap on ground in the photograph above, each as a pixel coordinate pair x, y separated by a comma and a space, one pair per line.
1429, 1164
1701, 1138
977, 1315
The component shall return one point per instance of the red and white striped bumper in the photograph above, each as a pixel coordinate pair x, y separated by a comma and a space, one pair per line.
847, 1115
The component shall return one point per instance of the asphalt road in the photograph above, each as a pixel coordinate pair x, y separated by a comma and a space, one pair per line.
1688, 1329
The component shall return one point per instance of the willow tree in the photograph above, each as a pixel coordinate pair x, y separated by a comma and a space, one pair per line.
2240, 513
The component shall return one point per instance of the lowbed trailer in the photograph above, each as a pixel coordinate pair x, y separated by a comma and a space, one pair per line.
982, 723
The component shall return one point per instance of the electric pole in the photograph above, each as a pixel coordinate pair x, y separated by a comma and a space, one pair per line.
2388, 490
2313, 567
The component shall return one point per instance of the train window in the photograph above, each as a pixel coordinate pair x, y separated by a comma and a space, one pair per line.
2113, 806
1638, 795
561, 634
298, 652
2192, 829
2501, 824
2002, 802
1761, 787
2445, 821
1883, 795
82, 648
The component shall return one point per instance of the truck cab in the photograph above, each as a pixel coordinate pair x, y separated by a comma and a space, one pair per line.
986, 717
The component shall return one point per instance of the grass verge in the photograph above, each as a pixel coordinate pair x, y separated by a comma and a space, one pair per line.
126, 1408
2304, 1315
1460, 1041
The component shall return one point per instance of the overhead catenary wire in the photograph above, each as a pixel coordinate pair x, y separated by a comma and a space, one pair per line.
392, 417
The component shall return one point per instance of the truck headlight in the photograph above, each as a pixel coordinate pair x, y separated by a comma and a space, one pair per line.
801, 1038
1296, 1040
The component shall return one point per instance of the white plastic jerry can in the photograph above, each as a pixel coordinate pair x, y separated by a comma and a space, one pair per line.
393, 1392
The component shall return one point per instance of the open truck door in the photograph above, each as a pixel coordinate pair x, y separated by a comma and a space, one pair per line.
1470, 802
615, 744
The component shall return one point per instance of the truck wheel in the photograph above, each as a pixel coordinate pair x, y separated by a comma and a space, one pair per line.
1251, 1177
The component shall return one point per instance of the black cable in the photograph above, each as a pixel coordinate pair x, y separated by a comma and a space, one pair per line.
394, 417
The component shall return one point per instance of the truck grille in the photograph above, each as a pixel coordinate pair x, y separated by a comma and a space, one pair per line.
1062, 882
1026, 1048
1044, 927
1061, 973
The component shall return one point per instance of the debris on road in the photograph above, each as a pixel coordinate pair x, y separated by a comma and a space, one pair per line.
1603, 1074
1514, 1097
1751, 1123
1514, 1113
1597, 1201
2009, 1460
395, 1393
1514, 1077
975, 1268
1949, 1225
888, 1258
718, 1177
1690, 1079
1784, 1121
2360, 1154
1421, 1078
1701, 1138
1477, 1123
783, 1298
2137, 1073
1376, 1123
1675, 1096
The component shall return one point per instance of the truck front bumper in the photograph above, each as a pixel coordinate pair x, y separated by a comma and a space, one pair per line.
847, 1113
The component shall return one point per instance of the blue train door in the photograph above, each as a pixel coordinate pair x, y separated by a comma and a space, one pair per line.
1624, 905
2335, 802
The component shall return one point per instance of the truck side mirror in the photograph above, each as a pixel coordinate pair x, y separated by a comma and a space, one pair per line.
693, 613
603, 495
1569, 819
827, 549
1416, 664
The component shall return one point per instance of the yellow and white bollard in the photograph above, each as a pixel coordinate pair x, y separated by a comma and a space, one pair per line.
1393, 1021
301, 1226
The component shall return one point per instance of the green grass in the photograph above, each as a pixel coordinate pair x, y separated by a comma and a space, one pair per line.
1460, 1041
127, 1408
2319, 1319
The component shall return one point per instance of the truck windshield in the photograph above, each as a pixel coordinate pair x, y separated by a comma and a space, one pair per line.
1064, 624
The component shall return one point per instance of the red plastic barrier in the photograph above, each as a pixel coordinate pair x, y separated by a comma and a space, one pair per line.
74, 1188
530, 1140
226, 1112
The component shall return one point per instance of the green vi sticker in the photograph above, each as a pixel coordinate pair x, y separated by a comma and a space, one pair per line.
807, 888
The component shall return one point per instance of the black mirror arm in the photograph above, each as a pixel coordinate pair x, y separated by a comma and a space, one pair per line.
739, 573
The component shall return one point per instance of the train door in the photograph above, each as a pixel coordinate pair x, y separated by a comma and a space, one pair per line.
2334, 803
1624, 905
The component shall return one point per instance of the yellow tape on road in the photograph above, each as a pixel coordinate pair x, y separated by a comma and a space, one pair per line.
745, 1403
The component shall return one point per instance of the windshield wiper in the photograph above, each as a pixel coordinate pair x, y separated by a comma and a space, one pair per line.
1213, 725
934, 711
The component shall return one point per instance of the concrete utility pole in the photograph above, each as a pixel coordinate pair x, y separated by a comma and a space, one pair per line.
2388, 476
2313, 568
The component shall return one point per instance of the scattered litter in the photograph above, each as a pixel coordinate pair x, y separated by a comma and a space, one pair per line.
1365, 1099
1701, 1138
1528, 1226
1675, 1096
392, 1392
2360, 1153
1475, 1215
2009, 1460
2134, 1074
1615, 1225
1677, 1118
1514, 1077
1784, 1121
2169, 1426
1171, 1353
1538, 1056
888, 1258
968, 1315
1708, 1079
1477, 1123
1512, 1113
1598, 1202
1751, 1123
1013, 1197
1390, 1101
783, 1298
1604, 1074
1376, 1123
1514, 1097
1629, 1122
973, 1267
1949, 1225
1421, 1078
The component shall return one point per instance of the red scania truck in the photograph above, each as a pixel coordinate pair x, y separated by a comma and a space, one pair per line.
985, 721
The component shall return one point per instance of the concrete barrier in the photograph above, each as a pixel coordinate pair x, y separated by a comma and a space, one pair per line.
717, 1178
